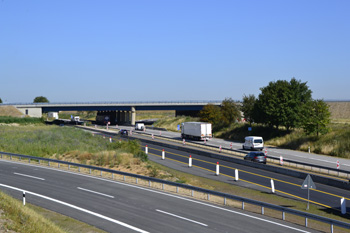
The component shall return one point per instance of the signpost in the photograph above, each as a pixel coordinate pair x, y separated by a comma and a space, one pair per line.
308, 184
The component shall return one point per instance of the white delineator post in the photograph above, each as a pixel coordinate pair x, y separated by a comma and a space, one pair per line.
24, 198
236, 175
220, 148
110, 139
163, 154
190, 161
217, 169
205, 141
343, 205
281, 160
183, 141
146, 150
231, 145
152, 136
160, 133
272, 186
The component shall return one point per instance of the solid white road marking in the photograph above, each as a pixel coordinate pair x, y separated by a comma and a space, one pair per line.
177, 216
77, 208
162, 193
90, 191
34, 177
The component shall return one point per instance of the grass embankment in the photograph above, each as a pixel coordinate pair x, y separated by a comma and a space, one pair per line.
14, 217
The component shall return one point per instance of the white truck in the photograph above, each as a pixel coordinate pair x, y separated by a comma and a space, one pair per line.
196, 130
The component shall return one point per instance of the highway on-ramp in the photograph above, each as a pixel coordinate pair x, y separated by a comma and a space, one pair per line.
120, 207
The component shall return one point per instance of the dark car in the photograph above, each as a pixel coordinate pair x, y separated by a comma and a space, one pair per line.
123, 132
256, 156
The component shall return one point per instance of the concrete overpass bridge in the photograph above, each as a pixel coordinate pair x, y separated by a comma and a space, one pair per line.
116, 112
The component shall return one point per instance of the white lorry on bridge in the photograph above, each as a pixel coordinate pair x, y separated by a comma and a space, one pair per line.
196, 130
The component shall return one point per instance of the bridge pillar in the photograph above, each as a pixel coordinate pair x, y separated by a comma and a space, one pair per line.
127, 117
133, 115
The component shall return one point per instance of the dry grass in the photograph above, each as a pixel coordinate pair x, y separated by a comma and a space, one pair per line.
10, 111
339, 110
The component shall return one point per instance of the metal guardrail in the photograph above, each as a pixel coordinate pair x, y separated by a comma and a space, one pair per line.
226, 196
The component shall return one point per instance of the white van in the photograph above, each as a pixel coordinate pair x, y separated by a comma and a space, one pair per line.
253, 143
139, 126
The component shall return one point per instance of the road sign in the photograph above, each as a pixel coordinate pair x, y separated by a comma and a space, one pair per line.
249, 128
338, 165
308, 183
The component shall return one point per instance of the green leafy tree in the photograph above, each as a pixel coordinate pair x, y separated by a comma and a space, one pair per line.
281, 103
211, 113
248, 107
0, 101
41, 99
316, 117
229, 111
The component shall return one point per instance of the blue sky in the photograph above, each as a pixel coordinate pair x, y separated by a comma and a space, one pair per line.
167, 50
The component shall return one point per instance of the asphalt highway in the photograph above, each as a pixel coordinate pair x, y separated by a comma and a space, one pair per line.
298, 156
323, 195
119, 207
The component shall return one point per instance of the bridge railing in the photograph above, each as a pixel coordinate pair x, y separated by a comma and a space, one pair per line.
182, 189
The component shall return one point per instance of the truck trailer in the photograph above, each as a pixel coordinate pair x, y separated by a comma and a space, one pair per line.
196, 130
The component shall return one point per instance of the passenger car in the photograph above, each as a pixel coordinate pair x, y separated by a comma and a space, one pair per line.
256, 156
123, 132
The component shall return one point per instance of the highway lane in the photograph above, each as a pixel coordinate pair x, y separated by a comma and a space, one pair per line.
326, 196
298, 156
132, 208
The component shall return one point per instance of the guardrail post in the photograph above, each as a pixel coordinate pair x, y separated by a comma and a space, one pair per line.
163, 186
124, 178
262, 210
224, 200
236, 175
242, 205
24, 198
283, 215
343, 205
28, 160
101, 173
208, 196
192, 193
217, 169
305, 222
20, 158
112, 176
58, 165
90, 170
272, 186
177, 189
68, 166
149, 183
49, 163
137, 180
1, 155
78, 169
39, 161
332, 228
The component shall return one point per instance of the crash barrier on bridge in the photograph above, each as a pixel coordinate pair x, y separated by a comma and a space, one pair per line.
184, 189
223, 156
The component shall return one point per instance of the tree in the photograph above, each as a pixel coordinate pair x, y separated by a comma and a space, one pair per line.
248, 107
229, 111
316, 117
281, 103
41, 99
211, 113
0, 101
